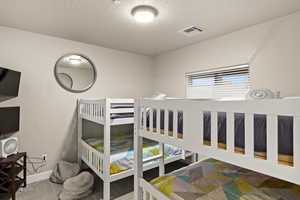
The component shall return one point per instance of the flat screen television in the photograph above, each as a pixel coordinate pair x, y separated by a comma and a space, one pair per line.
9, 120
9, 83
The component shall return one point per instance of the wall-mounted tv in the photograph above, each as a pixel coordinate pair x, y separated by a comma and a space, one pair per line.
9, 120
9, 83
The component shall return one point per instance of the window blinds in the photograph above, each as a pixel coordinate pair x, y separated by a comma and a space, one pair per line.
225, 83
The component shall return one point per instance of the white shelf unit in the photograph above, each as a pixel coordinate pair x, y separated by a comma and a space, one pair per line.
99, 111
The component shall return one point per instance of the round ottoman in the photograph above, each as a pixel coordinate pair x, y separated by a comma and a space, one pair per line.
77, 187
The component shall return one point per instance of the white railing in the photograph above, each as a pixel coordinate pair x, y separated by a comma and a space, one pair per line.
150, 193
92, 157
191, 137
93, 110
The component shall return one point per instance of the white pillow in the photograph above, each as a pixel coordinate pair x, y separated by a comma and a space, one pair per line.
159, 96
260, 94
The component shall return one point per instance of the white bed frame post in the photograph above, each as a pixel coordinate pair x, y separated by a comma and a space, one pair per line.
162, 159
79, 133
161, 145
138, 152
106, 161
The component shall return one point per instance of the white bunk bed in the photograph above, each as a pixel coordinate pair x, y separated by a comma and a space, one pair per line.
101, 112
192, 136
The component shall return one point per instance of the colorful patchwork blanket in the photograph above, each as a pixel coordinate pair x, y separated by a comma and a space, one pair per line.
122, 156
216, 180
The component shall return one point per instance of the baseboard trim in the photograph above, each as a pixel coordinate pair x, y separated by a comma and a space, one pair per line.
38, 177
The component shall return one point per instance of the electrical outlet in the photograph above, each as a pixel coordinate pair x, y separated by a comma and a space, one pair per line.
44, 157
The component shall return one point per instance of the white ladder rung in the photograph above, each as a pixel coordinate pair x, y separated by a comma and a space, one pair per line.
158, 121
230, 131
296, 133
166, 122
249, 135
214, 129
272, 138
151, 120
175, 123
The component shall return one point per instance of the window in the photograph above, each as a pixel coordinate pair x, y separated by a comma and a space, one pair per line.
225, 83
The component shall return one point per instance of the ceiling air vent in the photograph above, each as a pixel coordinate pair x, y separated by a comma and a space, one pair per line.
190, 31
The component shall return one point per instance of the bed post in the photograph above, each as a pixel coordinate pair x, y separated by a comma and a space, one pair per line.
106, 161
138, 152
161, 145
194, 157
162, 159
79, 133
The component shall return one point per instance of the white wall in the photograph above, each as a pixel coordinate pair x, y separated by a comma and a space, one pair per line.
271, 48
48, 111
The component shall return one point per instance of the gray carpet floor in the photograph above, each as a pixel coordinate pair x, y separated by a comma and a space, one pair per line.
48, 191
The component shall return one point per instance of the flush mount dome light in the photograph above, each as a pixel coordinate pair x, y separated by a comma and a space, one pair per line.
144, 14
75, 60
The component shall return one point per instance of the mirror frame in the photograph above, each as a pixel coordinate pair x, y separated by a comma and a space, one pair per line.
72, 90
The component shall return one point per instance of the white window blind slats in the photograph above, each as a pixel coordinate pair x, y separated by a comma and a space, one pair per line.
229, 83
229, 70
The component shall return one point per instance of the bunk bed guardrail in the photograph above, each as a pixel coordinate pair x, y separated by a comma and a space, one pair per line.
93, 110
191, 137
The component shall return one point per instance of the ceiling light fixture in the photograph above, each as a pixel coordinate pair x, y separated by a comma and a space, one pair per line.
144, 14
75, 60
116, 1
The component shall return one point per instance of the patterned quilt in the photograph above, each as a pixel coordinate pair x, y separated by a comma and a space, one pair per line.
216, 180
118, 143
122, 156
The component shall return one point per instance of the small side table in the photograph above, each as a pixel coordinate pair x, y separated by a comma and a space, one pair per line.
10, 168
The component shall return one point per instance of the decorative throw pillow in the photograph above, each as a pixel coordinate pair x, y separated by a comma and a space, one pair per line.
64, 170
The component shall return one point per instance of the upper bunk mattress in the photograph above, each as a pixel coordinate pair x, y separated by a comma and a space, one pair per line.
118, 144
216, 180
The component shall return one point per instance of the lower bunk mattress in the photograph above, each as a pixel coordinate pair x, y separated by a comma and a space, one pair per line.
122, 154
216, 180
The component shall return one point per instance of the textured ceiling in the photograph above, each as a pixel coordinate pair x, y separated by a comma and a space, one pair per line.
103, 23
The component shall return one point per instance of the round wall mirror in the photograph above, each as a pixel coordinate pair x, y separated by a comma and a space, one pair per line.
75, 72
